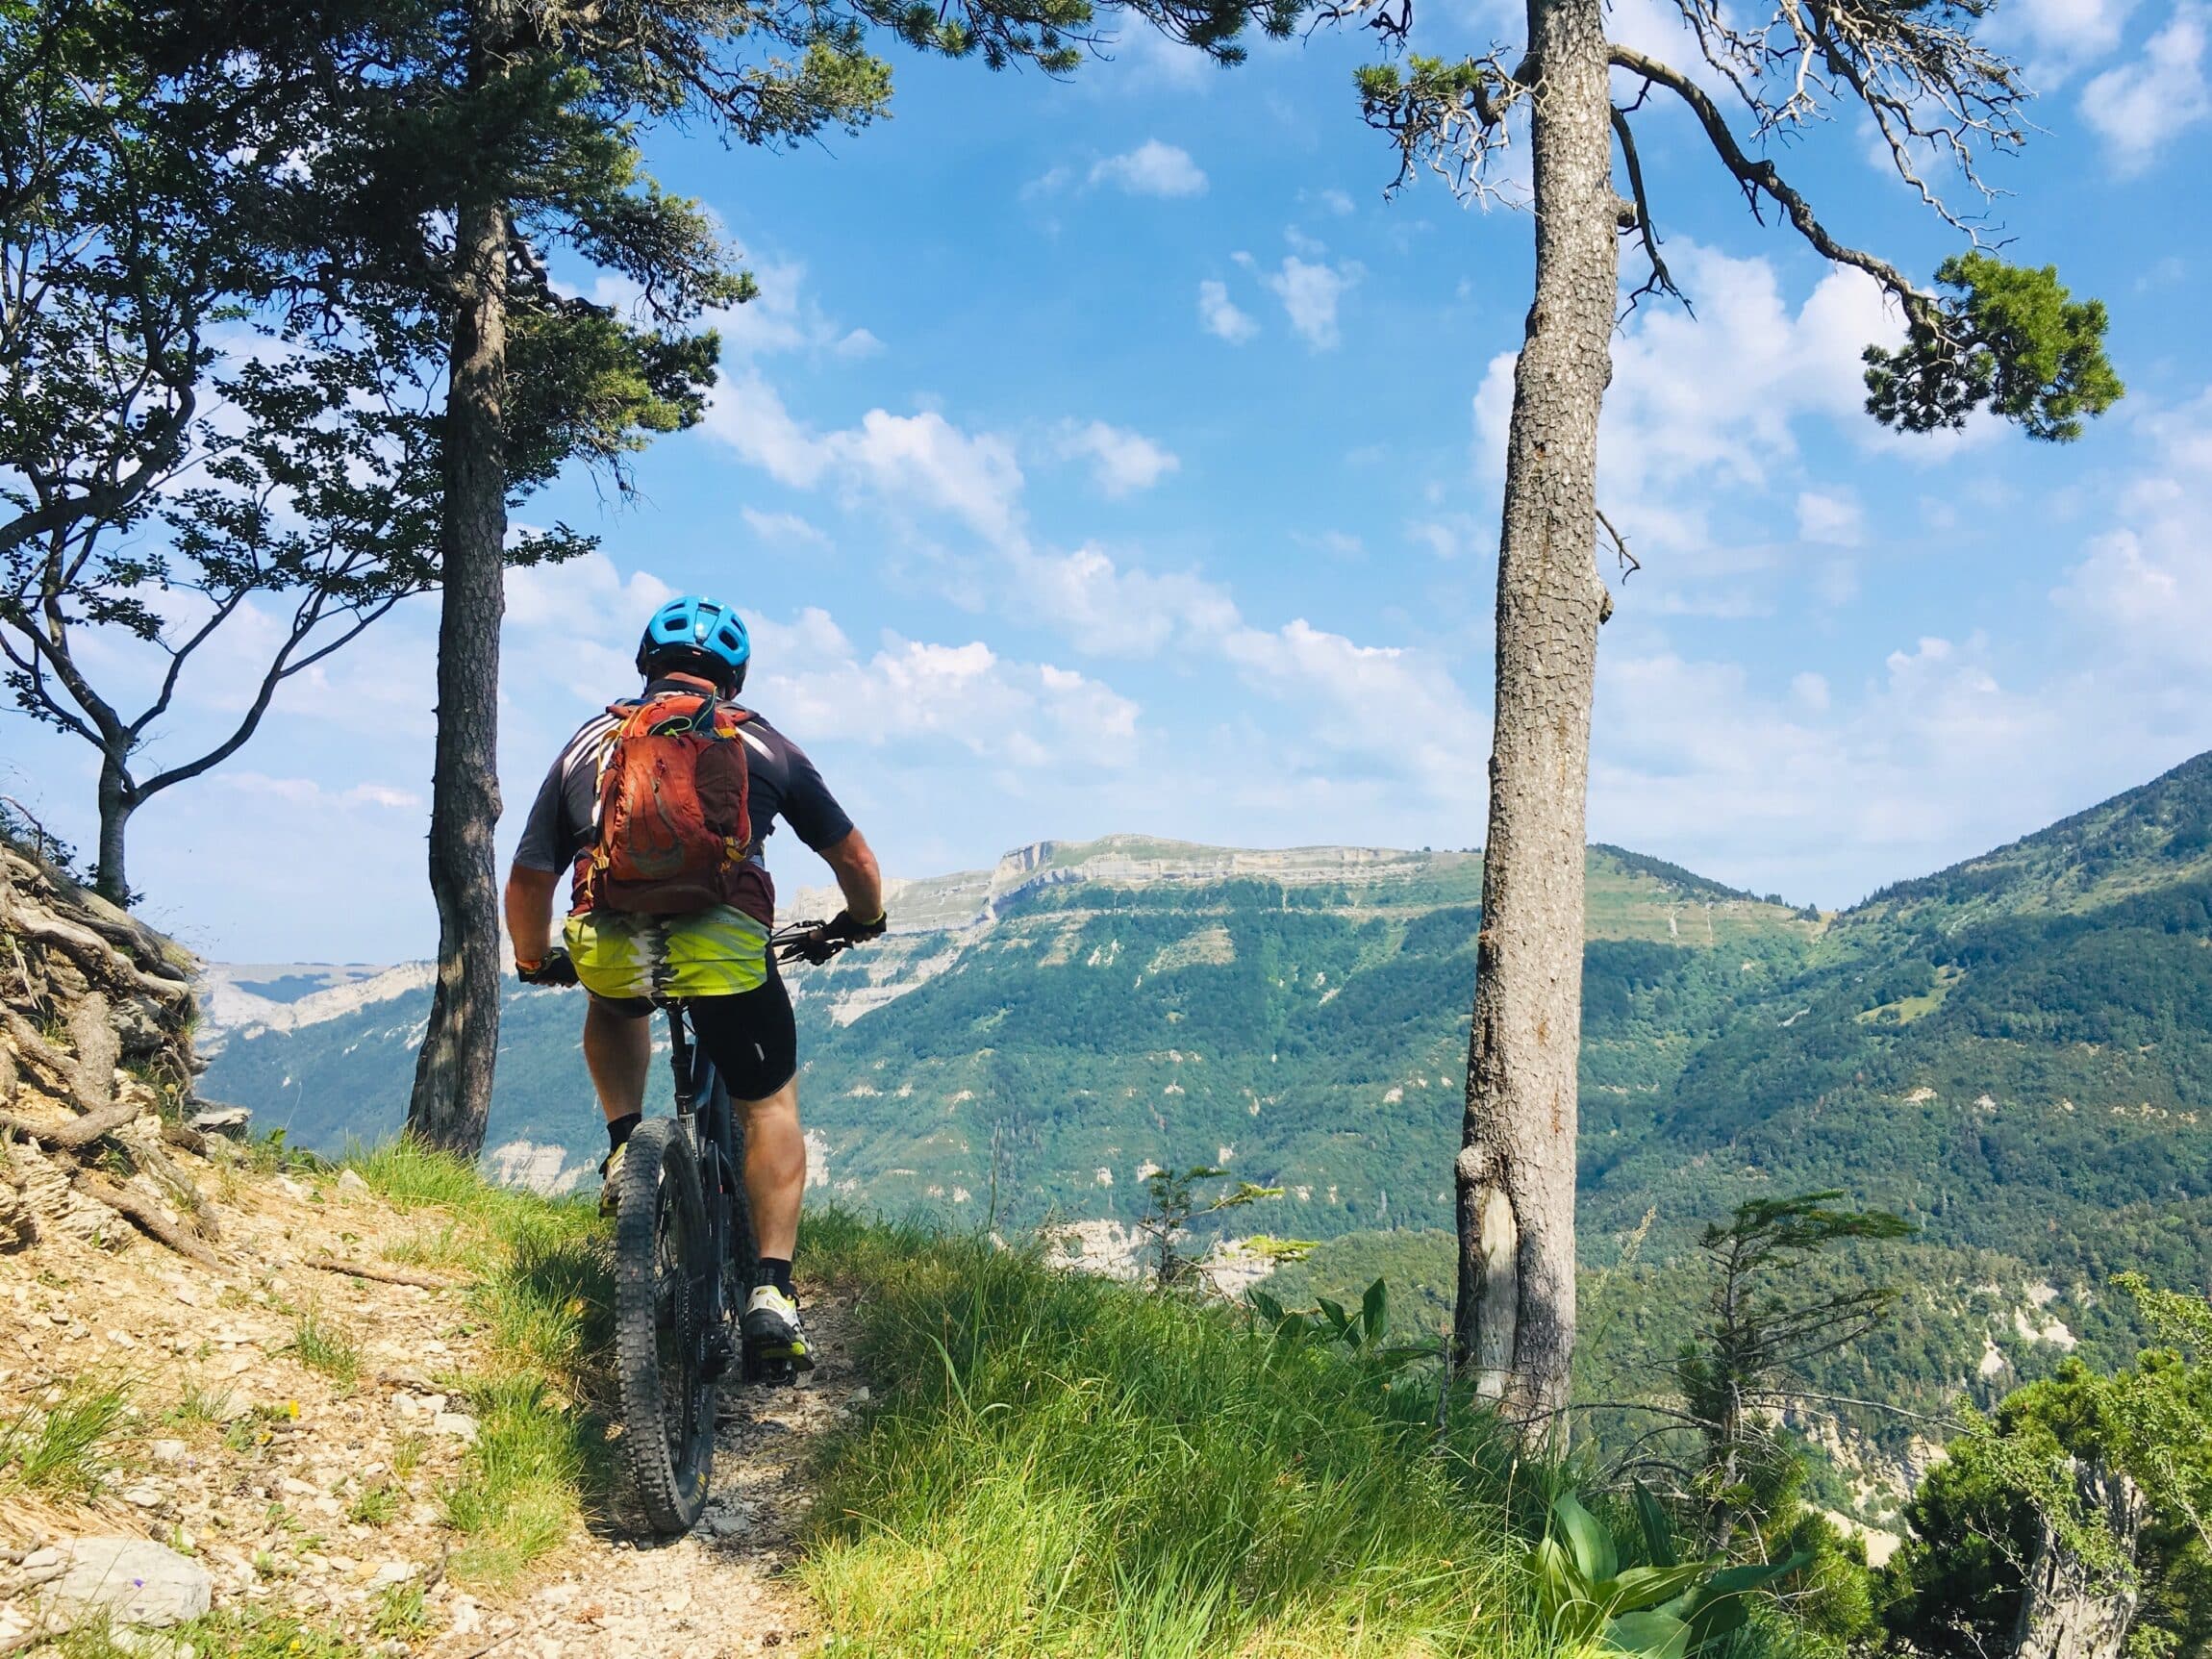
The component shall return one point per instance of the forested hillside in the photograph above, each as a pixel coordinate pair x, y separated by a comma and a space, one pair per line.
1090, 1011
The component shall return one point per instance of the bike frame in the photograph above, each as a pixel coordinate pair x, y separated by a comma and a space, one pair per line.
692, 1074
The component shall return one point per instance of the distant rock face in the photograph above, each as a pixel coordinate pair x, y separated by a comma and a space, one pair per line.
230, 1006
544, 1169
934, 921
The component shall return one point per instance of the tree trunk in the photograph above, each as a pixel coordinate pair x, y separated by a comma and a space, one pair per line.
453, 1073
1514, 1326
111, 879
2065, 1610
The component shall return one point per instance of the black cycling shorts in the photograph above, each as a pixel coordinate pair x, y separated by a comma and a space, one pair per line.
751, 1038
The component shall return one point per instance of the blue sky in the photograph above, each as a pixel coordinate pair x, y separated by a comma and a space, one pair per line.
1112, 454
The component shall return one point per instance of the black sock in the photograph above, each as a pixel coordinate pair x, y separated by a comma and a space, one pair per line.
620, 1129
776, 1272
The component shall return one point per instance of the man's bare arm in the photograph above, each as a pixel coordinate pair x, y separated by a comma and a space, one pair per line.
852, 861
530, 913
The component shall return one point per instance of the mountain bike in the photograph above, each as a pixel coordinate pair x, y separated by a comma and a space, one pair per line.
684, 1260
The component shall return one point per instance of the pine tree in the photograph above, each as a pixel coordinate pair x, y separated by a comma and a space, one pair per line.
1984, 334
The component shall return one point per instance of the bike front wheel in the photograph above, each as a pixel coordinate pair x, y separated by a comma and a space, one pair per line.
664, 1320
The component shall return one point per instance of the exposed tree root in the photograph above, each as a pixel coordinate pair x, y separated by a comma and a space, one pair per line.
146, 1217
76, 1132
383, 1276
75, 970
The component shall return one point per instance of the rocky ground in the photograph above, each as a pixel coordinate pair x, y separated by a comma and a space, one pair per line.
269, 1482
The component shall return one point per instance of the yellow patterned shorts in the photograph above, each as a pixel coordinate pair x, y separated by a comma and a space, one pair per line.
622, 957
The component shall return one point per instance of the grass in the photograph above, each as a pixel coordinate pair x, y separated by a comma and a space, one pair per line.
1066, 1465
402, 1613
198, 1408
61, 1448
240, 1631
523, 1484
322, 1346
376, 1505
447, 1247
1054, 1465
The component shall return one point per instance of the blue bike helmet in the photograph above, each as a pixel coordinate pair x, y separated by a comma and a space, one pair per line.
706, 632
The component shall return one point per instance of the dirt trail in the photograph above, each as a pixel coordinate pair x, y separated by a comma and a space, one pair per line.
718, 1591
314, 1496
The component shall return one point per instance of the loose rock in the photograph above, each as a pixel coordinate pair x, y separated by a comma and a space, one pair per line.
133, 1580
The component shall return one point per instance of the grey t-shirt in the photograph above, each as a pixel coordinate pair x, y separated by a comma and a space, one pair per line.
781, 782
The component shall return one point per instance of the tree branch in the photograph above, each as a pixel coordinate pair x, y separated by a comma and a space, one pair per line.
1661, 280
279, 669
1763, 178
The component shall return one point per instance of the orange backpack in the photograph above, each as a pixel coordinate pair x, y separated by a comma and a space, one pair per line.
673, 829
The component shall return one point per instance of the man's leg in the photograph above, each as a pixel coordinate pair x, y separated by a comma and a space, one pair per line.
776, 1168
753, 1044
619, 1053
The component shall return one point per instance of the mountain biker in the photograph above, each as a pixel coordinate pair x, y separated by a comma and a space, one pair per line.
706, 944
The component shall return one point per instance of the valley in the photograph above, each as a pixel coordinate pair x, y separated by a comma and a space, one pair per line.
2015, 1054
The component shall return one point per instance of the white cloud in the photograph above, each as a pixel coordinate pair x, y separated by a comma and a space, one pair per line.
1827, 790
780, 318
1338, 202
1371, 712
306, 791
570, 631
1023, 715
1310, 291
2143, 586
924, 458
1450, 535
1831, 516
909, 461
785, 529
1144, 61
2139, 107
1121, 461
1695, 762
1705, 410
2065, 31
749, 414
1103, 610
1717, 394
1337, 543
1221, 317
1152, 170
1049, 183
1356, 713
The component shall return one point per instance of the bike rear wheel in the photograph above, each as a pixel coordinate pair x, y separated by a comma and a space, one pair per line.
663, 1322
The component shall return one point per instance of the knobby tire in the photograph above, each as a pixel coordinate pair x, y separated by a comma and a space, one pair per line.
664, 1452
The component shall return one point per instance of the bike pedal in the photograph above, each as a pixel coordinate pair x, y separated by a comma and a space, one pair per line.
720, 1354
770, 1369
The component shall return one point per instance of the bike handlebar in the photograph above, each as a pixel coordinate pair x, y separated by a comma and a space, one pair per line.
809, 942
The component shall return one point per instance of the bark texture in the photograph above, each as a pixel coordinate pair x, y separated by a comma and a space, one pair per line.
2067, 1611
453, 1072
1514, 1326
110, 879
